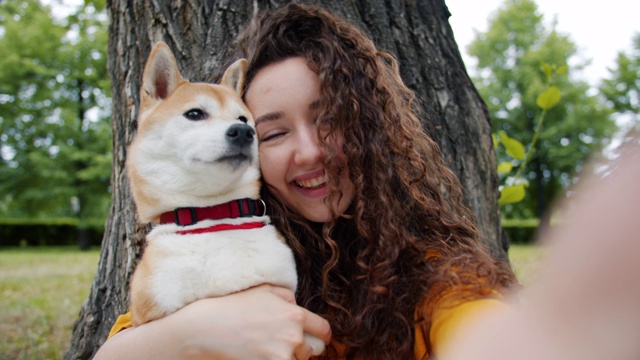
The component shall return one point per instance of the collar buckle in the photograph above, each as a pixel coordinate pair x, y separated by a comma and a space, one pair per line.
185, 211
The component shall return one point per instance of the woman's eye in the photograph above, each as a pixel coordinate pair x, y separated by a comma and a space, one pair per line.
271, 136
195, 115
243, 119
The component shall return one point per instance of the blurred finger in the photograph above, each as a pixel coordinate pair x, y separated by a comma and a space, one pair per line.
303, 352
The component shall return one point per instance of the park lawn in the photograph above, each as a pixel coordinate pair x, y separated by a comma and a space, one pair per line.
42, 290
526, 260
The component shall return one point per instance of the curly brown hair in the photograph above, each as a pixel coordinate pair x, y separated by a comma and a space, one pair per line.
407, 237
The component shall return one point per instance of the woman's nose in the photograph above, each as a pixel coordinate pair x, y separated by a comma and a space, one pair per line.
308, 150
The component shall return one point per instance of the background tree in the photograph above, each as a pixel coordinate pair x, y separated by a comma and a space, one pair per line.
85, 147
201, 34
56, 140
622, 90
510, 56
30, 41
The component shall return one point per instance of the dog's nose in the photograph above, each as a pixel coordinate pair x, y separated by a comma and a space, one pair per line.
240, 134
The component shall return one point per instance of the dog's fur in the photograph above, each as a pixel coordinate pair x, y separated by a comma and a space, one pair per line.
175, 162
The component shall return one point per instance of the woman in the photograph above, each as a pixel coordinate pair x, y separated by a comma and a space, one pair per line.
386, 251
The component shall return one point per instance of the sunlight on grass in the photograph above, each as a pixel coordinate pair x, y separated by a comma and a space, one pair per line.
41, 291
526, 261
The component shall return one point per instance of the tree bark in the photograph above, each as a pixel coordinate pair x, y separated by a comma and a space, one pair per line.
201, 33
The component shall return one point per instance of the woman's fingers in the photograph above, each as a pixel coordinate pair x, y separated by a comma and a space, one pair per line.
284, 293
317, 330
303, 352
311, 322
317, 326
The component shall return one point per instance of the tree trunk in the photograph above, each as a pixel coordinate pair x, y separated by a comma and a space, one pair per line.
201, 34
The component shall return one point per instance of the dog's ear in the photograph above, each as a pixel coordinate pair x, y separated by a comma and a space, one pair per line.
161, 76
234, 76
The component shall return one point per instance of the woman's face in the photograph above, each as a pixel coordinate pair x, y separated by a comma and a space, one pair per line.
284, 98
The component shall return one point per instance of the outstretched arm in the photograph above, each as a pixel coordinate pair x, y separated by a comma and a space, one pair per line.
586, 300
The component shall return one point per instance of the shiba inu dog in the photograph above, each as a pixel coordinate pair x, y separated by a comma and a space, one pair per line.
193, 170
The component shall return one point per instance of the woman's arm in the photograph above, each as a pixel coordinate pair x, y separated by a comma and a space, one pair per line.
259, 323
584, 302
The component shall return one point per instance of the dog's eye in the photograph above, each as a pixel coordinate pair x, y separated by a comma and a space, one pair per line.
195, 115
243, 119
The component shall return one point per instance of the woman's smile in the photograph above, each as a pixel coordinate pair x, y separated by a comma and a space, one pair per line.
312, 184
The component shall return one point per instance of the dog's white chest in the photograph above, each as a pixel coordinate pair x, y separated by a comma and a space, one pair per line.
195, 266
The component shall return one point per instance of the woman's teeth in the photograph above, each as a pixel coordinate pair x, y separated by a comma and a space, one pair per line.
311, 183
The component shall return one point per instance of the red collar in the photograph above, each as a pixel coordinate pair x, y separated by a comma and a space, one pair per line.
224, 227
233, 209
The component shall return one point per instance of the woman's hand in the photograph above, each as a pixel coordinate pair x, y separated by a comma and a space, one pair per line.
259, 323
584, 301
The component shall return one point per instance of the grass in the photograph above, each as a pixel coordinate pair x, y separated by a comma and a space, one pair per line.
41, 291
525, 260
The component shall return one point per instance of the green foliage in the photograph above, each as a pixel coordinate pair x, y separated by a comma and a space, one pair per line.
515, 60
50, 232
549, 98
505, 167
512, 194
514, 148
54, 112
622, 90
515, 191
96, 223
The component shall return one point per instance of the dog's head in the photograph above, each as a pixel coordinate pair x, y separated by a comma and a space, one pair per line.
195, 144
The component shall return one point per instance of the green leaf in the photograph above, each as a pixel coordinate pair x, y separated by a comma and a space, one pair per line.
505, 167
495, 140
515, 149
562, 69
549, 98
511, 194
547, 70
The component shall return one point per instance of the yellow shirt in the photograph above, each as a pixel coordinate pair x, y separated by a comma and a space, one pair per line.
446, 320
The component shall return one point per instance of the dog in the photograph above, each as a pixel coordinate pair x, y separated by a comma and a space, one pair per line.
193, 170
